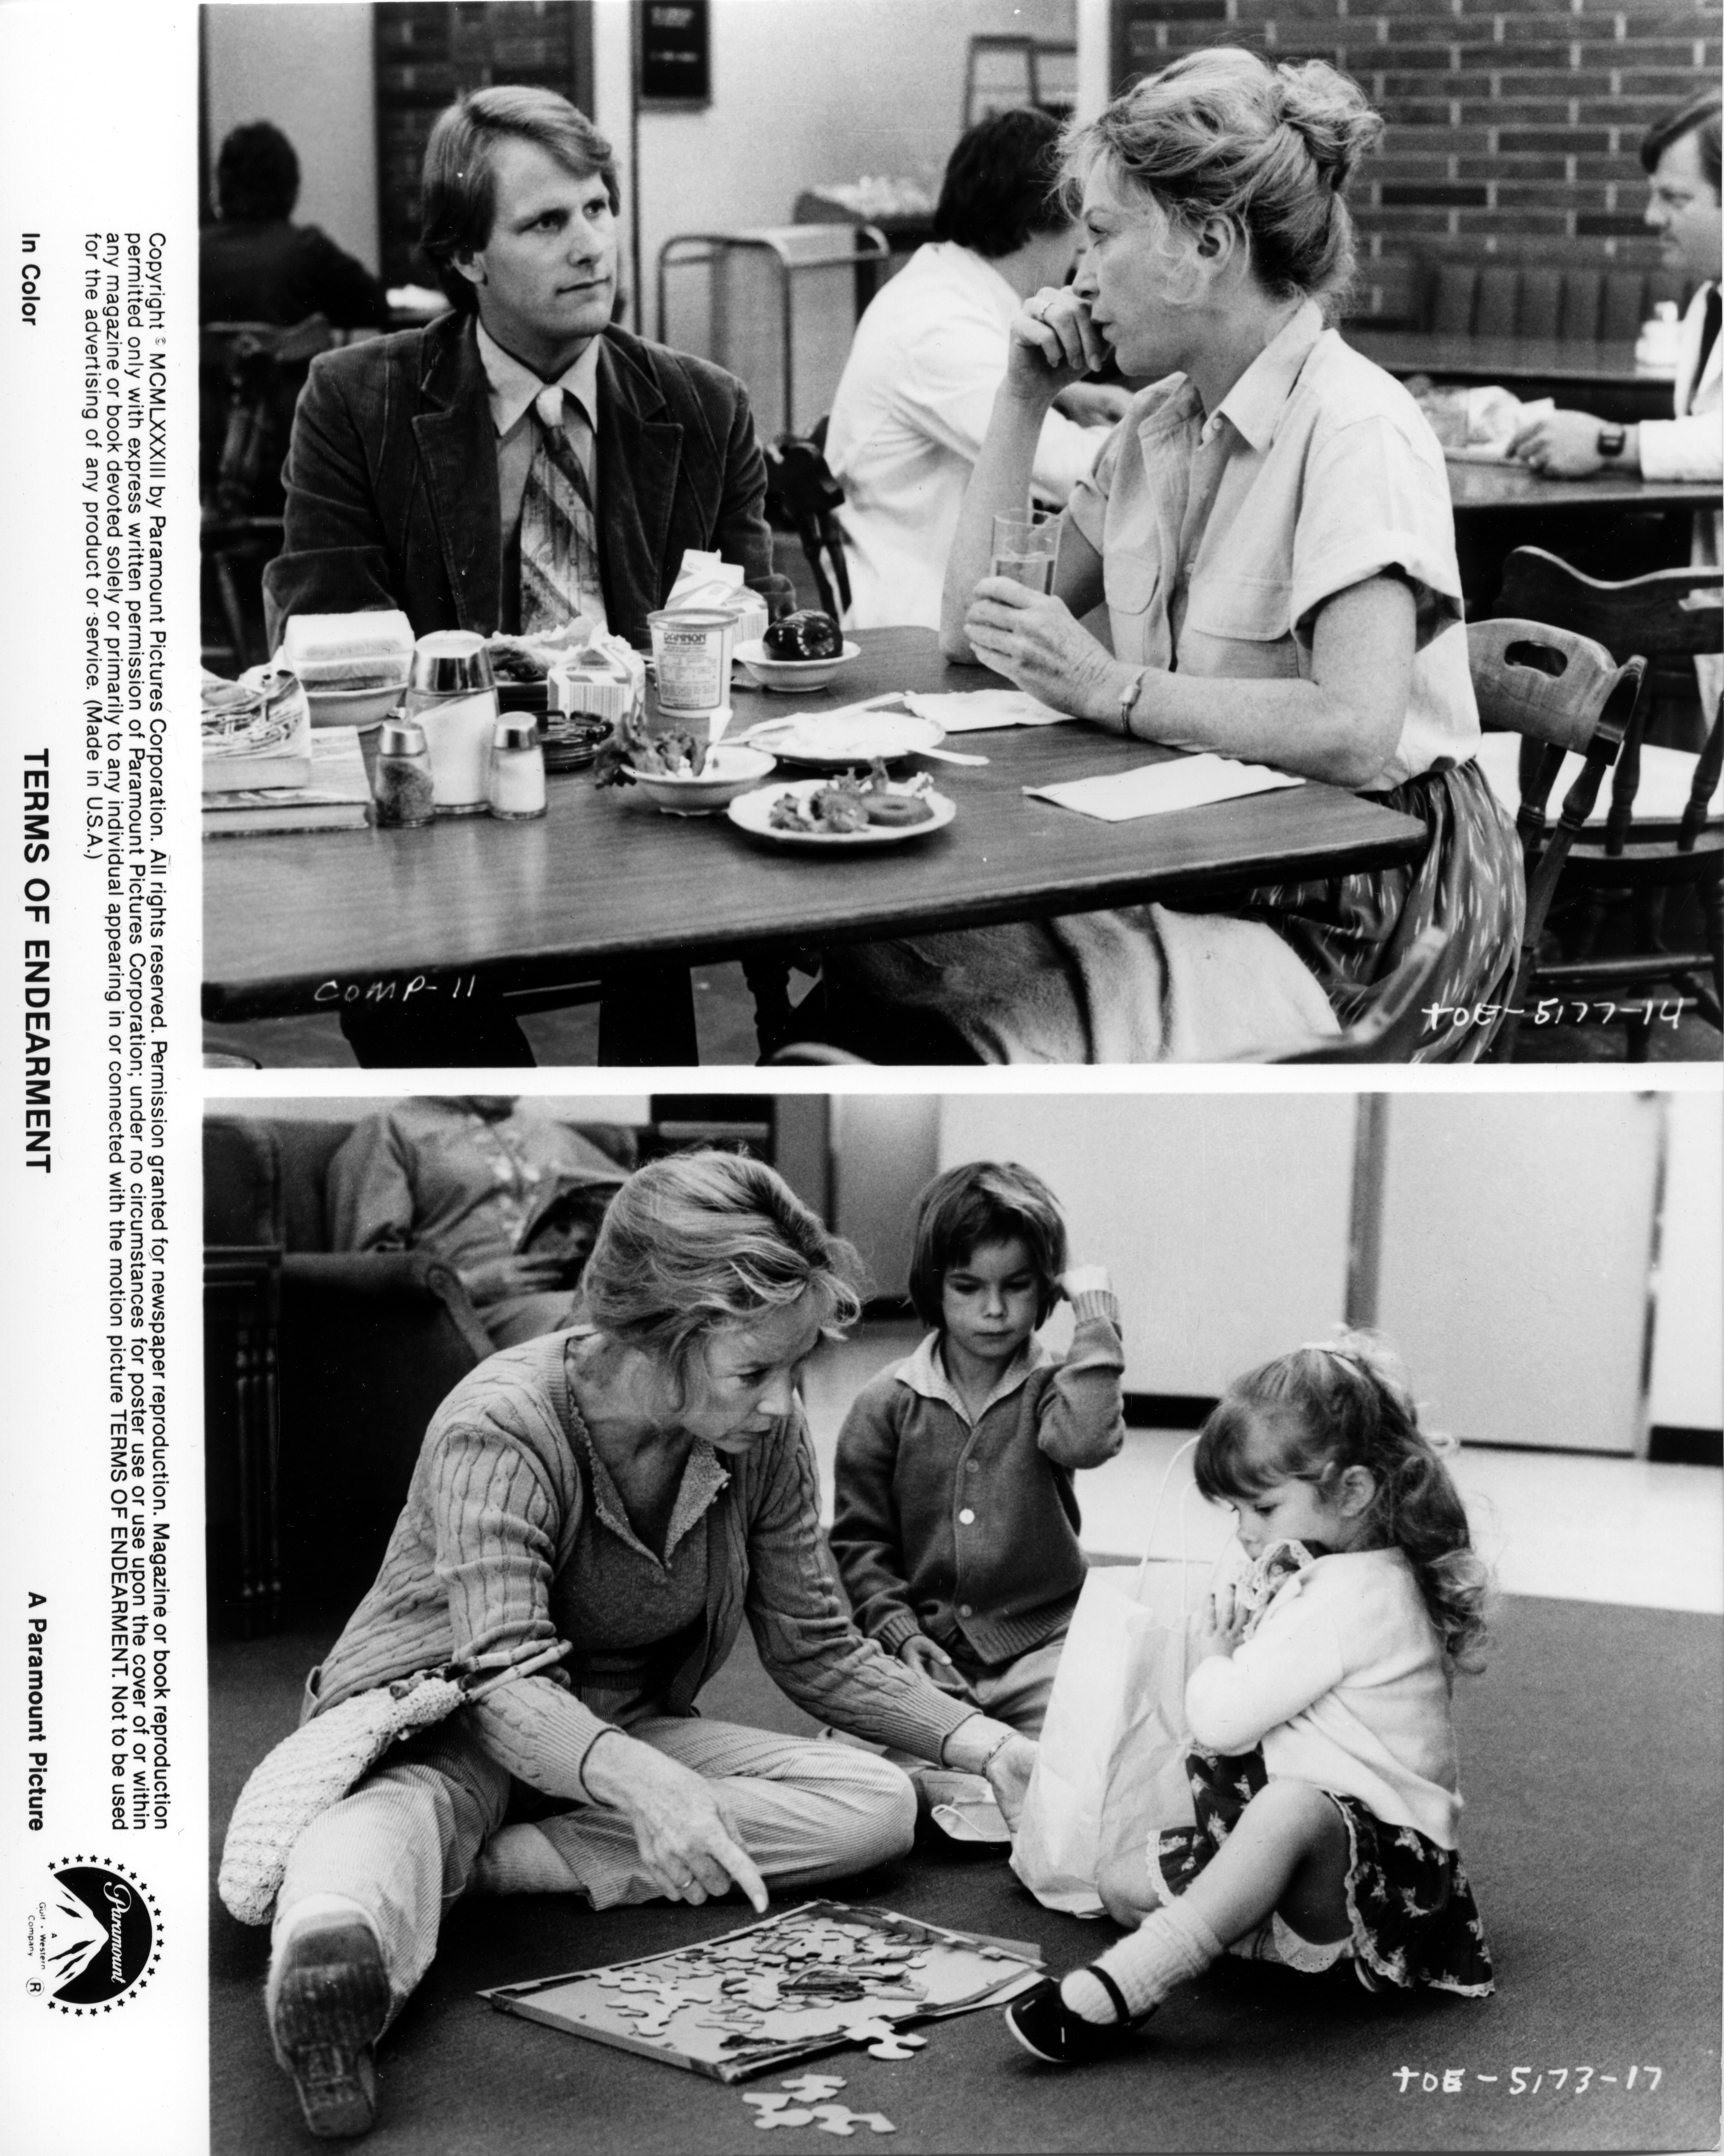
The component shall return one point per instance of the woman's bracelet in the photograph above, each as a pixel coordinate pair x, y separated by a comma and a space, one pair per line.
1128, 699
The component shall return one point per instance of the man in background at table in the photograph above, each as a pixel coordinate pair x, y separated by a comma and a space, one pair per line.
1680, 155
509, 1198
914, 400
522, 459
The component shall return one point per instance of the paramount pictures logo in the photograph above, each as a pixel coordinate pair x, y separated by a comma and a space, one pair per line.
94, 1940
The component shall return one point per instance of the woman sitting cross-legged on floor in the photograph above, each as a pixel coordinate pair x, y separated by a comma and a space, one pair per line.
1323, 1769
628, 1492
1270, 529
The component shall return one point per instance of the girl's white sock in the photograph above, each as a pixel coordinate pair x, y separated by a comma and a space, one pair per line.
1172, 1945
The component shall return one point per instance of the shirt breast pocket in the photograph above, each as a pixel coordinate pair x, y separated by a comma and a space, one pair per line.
1239, 626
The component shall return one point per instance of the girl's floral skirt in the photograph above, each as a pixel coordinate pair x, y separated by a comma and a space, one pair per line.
1413, 1919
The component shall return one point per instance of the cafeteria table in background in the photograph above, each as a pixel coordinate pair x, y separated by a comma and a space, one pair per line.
1612, 525
604, 890
1600, 378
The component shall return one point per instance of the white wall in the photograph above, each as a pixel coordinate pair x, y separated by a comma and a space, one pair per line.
803, 92
1517, 1235
309, 69
884, 1148
1224, 1218
1687, 1362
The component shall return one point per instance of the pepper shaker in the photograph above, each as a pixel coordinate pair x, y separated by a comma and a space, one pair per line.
517, 781
401, 784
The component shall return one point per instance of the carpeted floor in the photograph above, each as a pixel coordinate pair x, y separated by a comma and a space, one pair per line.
1594, 1764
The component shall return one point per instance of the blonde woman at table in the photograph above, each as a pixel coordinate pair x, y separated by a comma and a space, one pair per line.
1270, 533
597, 1514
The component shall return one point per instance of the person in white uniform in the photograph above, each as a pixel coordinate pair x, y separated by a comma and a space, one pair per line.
917, 389
1680, 155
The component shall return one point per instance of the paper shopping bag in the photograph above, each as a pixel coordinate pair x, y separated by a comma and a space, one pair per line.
1147, 1787
1115, 1723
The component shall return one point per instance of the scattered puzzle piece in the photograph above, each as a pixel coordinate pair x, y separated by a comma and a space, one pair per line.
765, 2118
833, 2118
811, 2088
767, 2100
895, 2047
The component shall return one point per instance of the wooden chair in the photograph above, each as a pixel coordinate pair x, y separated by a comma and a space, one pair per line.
249, 377
801, 490
1662, 619
1562, 694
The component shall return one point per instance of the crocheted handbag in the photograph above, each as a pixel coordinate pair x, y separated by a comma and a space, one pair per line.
323, 1758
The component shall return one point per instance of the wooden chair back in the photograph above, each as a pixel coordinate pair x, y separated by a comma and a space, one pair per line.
1563, 694
801, 487
1666, 618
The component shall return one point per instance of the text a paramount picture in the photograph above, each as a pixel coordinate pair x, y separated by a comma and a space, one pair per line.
103, 1837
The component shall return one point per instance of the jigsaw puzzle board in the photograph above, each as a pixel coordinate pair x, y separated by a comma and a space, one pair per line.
791, 1985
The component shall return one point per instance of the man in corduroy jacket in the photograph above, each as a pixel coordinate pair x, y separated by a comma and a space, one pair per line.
419, 461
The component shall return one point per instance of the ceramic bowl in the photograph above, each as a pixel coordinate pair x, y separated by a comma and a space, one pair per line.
731, 769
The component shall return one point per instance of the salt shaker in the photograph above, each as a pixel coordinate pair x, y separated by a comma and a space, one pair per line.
452, 692
401, 784
517, 785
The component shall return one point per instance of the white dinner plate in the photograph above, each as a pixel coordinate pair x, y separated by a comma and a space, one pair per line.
752, 813
840, 740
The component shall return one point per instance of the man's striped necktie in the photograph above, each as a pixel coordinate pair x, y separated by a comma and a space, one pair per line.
559, 536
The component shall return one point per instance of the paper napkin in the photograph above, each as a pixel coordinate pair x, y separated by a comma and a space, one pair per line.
1184, 781
972, 711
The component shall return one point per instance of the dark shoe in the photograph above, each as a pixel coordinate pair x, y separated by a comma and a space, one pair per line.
1047, 2027
329, 2000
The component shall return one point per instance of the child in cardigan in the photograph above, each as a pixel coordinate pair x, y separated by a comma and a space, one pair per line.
956, 1525
1324, 1770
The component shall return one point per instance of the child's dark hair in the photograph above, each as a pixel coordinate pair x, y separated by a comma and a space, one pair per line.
1321, 1410
985, 1201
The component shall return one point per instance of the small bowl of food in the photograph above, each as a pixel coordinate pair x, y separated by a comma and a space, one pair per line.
683, 776
802, 651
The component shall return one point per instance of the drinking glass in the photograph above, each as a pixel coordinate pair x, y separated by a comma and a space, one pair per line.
1026, 543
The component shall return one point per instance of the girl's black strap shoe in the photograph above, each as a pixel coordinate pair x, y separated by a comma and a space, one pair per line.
1046, 2026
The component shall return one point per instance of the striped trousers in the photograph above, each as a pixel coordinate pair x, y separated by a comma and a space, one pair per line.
415, 1835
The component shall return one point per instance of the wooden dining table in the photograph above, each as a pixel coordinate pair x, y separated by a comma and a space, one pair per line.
605, 891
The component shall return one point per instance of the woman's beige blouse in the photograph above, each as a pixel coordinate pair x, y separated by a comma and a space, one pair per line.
1221, 539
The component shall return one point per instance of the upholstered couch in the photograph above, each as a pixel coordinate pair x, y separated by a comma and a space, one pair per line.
321, 1371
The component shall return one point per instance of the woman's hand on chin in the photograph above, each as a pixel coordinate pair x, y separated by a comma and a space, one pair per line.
1052, 344
685, 1839
1033, 639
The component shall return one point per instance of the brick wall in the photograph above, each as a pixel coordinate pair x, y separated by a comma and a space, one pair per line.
1512, 133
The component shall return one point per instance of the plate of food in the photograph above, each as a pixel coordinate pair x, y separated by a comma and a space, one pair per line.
837, 741
367, 703
851, 812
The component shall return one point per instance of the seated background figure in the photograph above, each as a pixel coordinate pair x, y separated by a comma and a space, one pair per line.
930, 352
510, 1198
255, 264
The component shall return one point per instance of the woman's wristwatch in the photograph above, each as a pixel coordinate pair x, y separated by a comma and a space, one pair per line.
1128, 699
1611, 442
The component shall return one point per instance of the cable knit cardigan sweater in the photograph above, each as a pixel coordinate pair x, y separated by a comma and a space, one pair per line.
491, 1518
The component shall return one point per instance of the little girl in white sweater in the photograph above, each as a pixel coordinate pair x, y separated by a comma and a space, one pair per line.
1323, 1772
